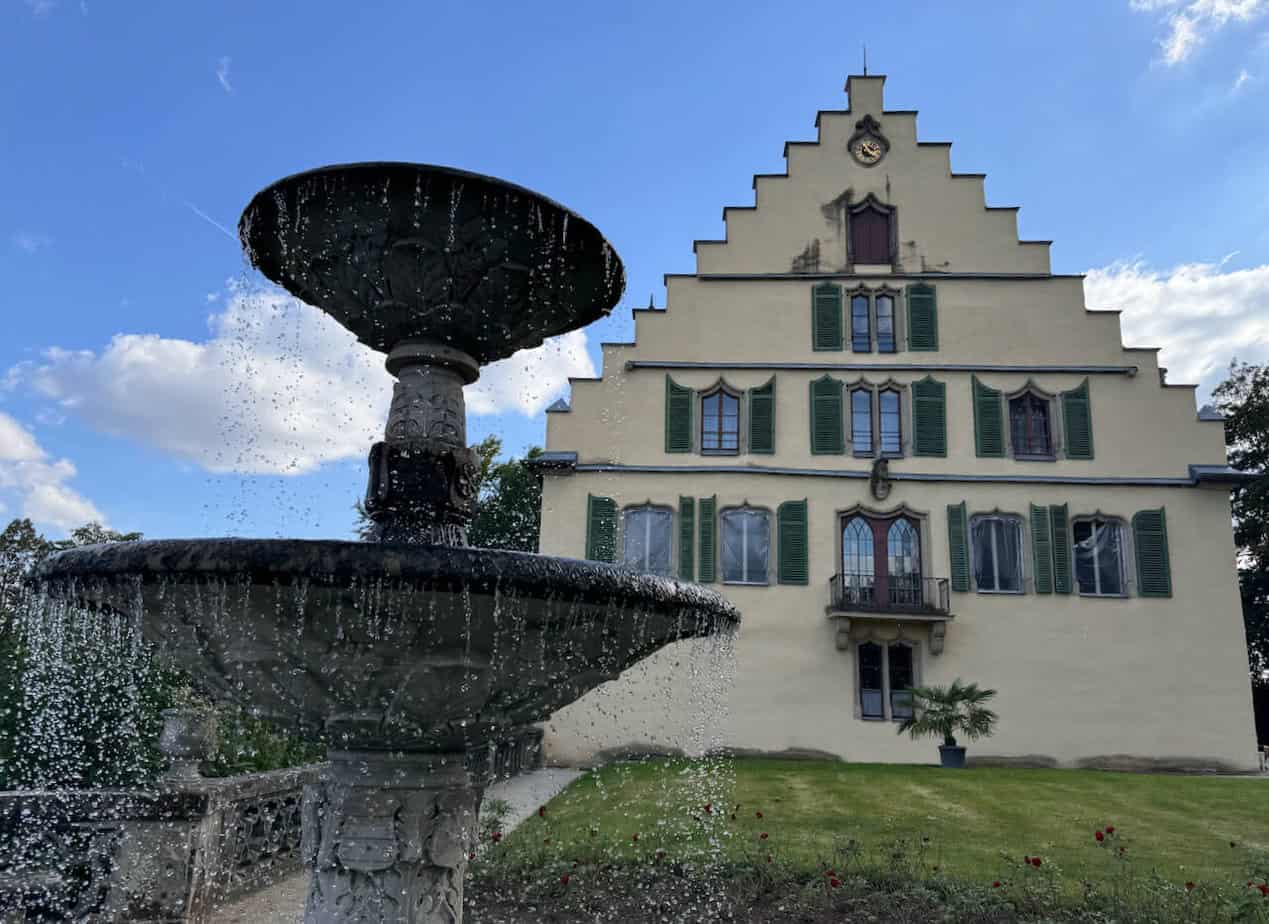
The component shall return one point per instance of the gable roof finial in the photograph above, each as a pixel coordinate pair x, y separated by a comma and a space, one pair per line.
865, 44
651, 303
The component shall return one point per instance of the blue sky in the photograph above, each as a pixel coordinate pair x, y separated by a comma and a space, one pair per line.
145, 377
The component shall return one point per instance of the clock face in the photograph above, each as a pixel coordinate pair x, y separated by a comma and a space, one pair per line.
867, 150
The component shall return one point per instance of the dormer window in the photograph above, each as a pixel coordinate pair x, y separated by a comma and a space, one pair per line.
871, 233
1030, 426
720, 422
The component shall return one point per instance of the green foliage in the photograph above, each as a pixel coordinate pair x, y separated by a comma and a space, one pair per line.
248, 744
946, 711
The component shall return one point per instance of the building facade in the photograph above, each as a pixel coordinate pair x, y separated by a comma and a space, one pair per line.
907, 451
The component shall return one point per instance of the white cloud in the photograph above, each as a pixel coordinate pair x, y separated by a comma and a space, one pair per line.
1200, 314
222, 74
1190, 23
278, 387
30, 241
1244, 77
37, 484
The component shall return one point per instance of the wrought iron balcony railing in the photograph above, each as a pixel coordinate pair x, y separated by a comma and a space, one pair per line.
865, 593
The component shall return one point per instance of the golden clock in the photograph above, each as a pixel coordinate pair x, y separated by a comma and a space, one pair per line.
867, 151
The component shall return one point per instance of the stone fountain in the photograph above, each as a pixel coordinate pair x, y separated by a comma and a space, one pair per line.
412, 653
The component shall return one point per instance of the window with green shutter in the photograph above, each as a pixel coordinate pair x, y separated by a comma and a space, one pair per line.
791, 525
687, 538
1154, 570
827, 433
1042, 549
923, 318
678, 416
762, 418
1078, 422
1059, 520
929, 418
989, 422
958, 546
708, 510
826, 317
601, 528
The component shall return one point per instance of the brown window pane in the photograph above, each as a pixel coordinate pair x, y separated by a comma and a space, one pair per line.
870, 236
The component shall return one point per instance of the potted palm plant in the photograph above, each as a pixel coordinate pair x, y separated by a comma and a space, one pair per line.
948, 711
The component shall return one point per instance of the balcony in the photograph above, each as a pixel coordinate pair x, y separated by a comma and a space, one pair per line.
906, 595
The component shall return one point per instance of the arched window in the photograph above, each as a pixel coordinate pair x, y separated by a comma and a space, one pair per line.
861, 421
891, 422
746, 546
1099, 556
997, 547
901, 679
860, 324
720, 422
871, 681
885, 324
870, 233
903, 547
858, 569
648, 537
1030, 426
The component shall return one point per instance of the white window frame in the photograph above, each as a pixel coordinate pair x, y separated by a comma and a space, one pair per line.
625, 531
1022, 548
1125, 556
744, 557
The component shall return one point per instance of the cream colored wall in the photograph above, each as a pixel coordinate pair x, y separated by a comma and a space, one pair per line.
1078, 677
943, 223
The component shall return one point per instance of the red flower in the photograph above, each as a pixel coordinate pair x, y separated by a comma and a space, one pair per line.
1035, 861
768, 858
759, 814
763, 836
1110, 829
1189, 887
546, 840
996, 884
1100, 837
634, 837
709, 808
834, 882
1026, 860
564, 879
830, 872
497, 836
542, 811
1264, 889
472, 855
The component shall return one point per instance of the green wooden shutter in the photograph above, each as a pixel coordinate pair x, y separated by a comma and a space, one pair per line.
929, 418
601, 528
826, 317
709, 544
1154, 570
791, 520
1060, 520
1042, 547
687, 538
827, 433
958, 545
678, 417
762, 418
923, 318
989, 423
1078, 422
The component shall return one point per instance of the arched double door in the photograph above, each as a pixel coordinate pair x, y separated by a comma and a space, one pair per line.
881, 561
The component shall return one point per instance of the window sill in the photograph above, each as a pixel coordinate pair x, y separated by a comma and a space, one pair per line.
892, 455
1103, 596
1000, 593
720, 452
748, 583
864, 455
1035, 458
873, 718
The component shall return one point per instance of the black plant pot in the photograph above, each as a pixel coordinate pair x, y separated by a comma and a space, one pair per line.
952, 756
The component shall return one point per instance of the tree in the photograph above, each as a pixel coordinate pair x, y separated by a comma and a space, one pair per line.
508, 511
1243, 399
946, 711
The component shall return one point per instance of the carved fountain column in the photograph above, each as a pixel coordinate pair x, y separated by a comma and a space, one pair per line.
387, 838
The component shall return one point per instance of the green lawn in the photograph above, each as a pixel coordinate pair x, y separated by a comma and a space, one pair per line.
1182, 827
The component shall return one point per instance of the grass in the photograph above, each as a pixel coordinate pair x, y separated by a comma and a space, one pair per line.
974, 825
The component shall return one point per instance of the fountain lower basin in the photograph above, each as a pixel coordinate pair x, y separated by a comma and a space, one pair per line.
388, 646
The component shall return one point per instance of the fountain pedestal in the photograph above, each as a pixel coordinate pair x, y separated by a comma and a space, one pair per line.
387, 838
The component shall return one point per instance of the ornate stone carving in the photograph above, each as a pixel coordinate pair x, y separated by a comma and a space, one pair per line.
938, 632
387, 838
879, 480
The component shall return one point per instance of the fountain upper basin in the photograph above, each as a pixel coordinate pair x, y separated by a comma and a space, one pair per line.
400, 252
388, 646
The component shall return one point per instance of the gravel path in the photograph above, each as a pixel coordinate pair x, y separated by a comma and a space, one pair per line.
284, 902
